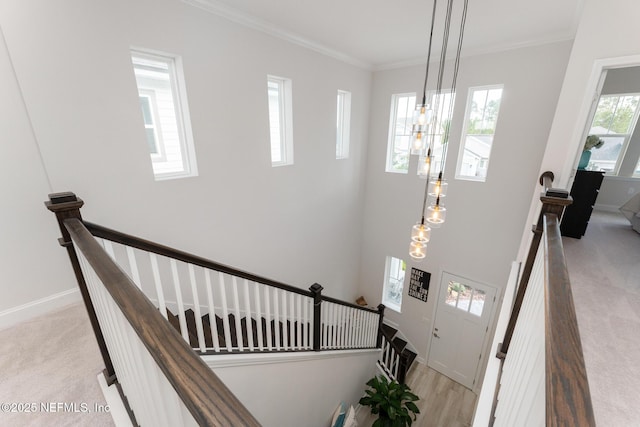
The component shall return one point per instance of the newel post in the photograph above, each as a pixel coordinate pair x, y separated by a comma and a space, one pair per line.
65, 206
316, 290
381, 308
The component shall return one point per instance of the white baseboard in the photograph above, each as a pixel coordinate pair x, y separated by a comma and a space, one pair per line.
114, 403
607, 208
38, 307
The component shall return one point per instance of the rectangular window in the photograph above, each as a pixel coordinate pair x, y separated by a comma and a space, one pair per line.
440, 128
393, 283
280, 120
343, 124
165, 114
400, 124
614, 121
481, 116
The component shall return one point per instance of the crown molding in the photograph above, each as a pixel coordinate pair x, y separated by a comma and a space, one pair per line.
483, 50
239, 17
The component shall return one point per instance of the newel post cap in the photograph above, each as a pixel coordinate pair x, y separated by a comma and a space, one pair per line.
66, 201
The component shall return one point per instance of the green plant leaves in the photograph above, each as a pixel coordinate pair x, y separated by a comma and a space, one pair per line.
391, 401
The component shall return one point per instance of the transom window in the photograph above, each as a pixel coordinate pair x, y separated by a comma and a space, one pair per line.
165, 115
440, 127
400, 124
483, 106
393, 283
280, 120
614, 121
343, 124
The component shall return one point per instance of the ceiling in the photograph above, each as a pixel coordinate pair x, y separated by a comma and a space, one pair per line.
384, 33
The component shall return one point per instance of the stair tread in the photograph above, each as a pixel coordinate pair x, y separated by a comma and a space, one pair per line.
399, 343
391, 331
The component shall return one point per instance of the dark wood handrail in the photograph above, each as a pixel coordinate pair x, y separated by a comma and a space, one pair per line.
348, 304
568, 400
149, 246
209, 401
553, 201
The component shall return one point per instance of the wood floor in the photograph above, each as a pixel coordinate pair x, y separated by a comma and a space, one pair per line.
443, 402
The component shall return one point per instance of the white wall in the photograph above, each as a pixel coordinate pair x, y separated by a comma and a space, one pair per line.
304, 391
298, 224
484, 221
595, 41
32, 263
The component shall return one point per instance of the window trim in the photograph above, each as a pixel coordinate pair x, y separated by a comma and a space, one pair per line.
387, 277
392, 131
343, 124
627, 136
181, 105
285, 111
155, 125
465, 125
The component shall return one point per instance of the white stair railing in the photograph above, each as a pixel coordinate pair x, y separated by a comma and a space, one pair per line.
389, 358
347, 327
239, 304
153, 400
521, 399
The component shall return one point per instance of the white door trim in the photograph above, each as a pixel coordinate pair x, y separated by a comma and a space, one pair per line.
488, 334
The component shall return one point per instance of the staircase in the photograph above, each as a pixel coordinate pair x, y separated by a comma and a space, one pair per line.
396, 358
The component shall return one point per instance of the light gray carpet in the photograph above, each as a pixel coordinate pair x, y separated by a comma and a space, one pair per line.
53, 358
604, 267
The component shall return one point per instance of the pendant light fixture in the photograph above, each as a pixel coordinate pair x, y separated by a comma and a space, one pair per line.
426, 119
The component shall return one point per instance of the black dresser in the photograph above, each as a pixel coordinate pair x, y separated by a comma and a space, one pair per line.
584, 193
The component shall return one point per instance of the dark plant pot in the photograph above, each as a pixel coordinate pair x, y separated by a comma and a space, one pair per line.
584, 160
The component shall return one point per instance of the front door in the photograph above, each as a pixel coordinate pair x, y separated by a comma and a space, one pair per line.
460, 328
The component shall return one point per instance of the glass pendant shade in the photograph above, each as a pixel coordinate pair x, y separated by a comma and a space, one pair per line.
424, 166
438, 188
417, 251
420, 233
436, 214
422, 116
418, 140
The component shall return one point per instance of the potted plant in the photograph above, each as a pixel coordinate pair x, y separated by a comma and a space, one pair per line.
391, 401
592, 141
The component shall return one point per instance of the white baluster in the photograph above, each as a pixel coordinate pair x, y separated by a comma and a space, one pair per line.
258, 305
276, 317
299, 321
248, 315
225, 313
156, 279
267, 318
213, 324
337, 308
371, 322
286, 337
238, 315
135, 274
324, 328
292, 321
196, 309
108, 247
178, 289
349, 327
305, 322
